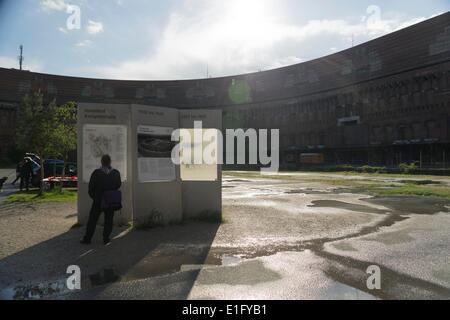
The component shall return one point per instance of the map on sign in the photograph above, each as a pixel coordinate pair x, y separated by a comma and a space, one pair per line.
99, 140
99, 145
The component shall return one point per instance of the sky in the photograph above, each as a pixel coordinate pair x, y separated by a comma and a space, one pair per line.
189, 39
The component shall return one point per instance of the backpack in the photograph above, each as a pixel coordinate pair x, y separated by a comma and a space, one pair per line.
112, 200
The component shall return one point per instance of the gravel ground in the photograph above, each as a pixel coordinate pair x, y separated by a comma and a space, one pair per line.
281, 239
25, 225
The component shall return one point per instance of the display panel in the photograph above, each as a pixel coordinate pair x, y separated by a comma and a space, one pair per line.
155, 146
207, 148
99, 140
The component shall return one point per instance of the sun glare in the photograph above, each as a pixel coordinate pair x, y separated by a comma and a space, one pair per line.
248, 18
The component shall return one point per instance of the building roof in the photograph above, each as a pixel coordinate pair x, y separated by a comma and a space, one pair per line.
423, 44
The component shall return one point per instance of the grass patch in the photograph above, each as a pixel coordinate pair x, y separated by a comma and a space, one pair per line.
257, 174
300, 175
411, 190
61, 195
381, 188
374, 187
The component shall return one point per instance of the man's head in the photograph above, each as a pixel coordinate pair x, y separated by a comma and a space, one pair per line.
106, 161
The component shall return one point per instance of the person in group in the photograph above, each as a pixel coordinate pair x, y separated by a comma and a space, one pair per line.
18, 170
35, 160
102, 180
25, 174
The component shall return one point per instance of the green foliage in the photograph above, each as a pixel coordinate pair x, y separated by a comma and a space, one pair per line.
407, 168
372, 185
14, 155
409, 189
36, 125
371, 169
47, 130
65, 131
57, 195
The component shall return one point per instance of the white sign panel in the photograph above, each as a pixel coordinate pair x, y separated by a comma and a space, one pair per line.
206, 169
99, 140
154, 154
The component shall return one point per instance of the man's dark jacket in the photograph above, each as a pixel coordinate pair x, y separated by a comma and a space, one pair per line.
101, 181
27, 169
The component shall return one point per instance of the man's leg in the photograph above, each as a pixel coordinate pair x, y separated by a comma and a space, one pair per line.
27, 183
94, 214
21, 182
14, 182
107, 229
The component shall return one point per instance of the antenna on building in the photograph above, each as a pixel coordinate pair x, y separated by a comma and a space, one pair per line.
353, 40
207, 71
20, 57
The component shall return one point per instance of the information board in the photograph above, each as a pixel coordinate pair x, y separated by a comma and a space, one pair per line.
154, 154
99, 140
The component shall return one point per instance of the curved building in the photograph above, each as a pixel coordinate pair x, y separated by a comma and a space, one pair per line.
383, 102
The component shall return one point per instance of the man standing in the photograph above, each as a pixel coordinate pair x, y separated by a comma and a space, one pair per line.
18, 170
25, 174
103, 179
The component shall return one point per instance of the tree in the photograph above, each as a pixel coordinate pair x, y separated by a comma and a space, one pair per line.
65, 131
45, 129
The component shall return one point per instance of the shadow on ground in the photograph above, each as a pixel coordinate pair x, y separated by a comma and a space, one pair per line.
40, 271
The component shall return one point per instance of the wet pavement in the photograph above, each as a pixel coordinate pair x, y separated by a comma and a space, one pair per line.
281, 239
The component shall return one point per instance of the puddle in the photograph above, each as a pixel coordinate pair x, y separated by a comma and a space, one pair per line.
392, 238
195, 267
54, 288
231, 260
344, 205
35, 291
308, 191
412, 205
213, 261
104, 277
344, 246
342, 291
245, 273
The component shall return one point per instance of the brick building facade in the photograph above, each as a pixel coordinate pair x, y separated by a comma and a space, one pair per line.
383, 102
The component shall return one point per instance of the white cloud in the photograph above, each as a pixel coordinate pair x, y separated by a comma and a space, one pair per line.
234, 36
83, 43
8, 62
94, 27
56, 5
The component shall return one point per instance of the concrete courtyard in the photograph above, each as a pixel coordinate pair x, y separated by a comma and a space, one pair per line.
290, 236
